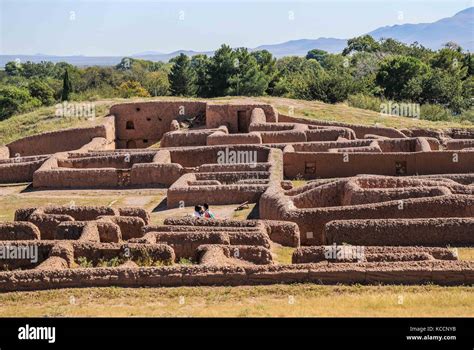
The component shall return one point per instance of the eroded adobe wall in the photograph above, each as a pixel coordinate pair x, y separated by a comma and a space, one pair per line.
21, 169
326, 165
348, 253
148, 121
360, 130
420, 272
311, 221
62, 140
236, 115
194, 157
455, 232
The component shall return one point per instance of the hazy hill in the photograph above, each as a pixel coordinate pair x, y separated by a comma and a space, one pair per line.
458, 28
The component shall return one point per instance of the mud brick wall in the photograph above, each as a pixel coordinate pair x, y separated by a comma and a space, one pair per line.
130, 226
60, 141
359, 130
256, 236
111, 160
420, 272
459, 144
325, 165
148, 121
236, 116
15, 231
83, 178
185, 244
311, 221
23, 258
324, 146
15, 170
215, 195
198, 156
154, 174
215, 223
402, 232
77, 230
133, 211
283, 232
148, 253
184, 138
347, 253
219, 138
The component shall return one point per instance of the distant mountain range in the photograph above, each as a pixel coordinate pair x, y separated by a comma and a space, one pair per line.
458, 28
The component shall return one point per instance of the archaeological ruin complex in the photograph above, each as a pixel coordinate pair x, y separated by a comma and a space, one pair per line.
374, 205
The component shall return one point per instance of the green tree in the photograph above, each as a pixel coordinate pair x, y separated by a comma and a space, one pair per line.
247, 78
41, 91
15, 100
201, 66
13, 68
444, 88
67, 87
299, 78
221, 69
267, 64
157, 83
131, 89
363, 43
450, 60
317, 55
182, 77
400, 77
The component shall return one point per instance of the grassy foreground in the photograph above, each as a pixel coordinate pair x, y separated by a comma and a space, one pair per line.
302, 300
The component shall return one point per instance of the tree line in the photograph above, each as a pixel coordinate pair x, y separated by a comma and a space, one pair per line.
366, 74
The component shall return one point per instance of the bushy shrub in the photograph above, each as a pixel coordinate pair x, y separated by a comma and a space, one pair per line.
132, 88
41, 91
365, 102
434, 112
467, 116
15, 100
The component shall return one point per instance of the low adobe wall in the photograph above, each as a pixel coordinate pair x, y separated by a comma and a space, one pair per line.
421, 272
348, 253
225, 187
15, 170
49, 218
15, 231
326, 165
360, 130
455, 232
186, 138
219, 138
197, 156
62, 140
180, 192
311, 221
185, 244
459, 144
112, 170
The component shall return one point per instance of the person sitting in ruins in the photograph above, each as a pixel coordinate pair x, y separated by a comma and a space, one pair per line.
208, 214
198, 211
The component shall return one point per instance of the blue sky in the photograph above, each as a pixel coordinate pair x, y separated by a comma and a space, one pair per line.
119, 27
